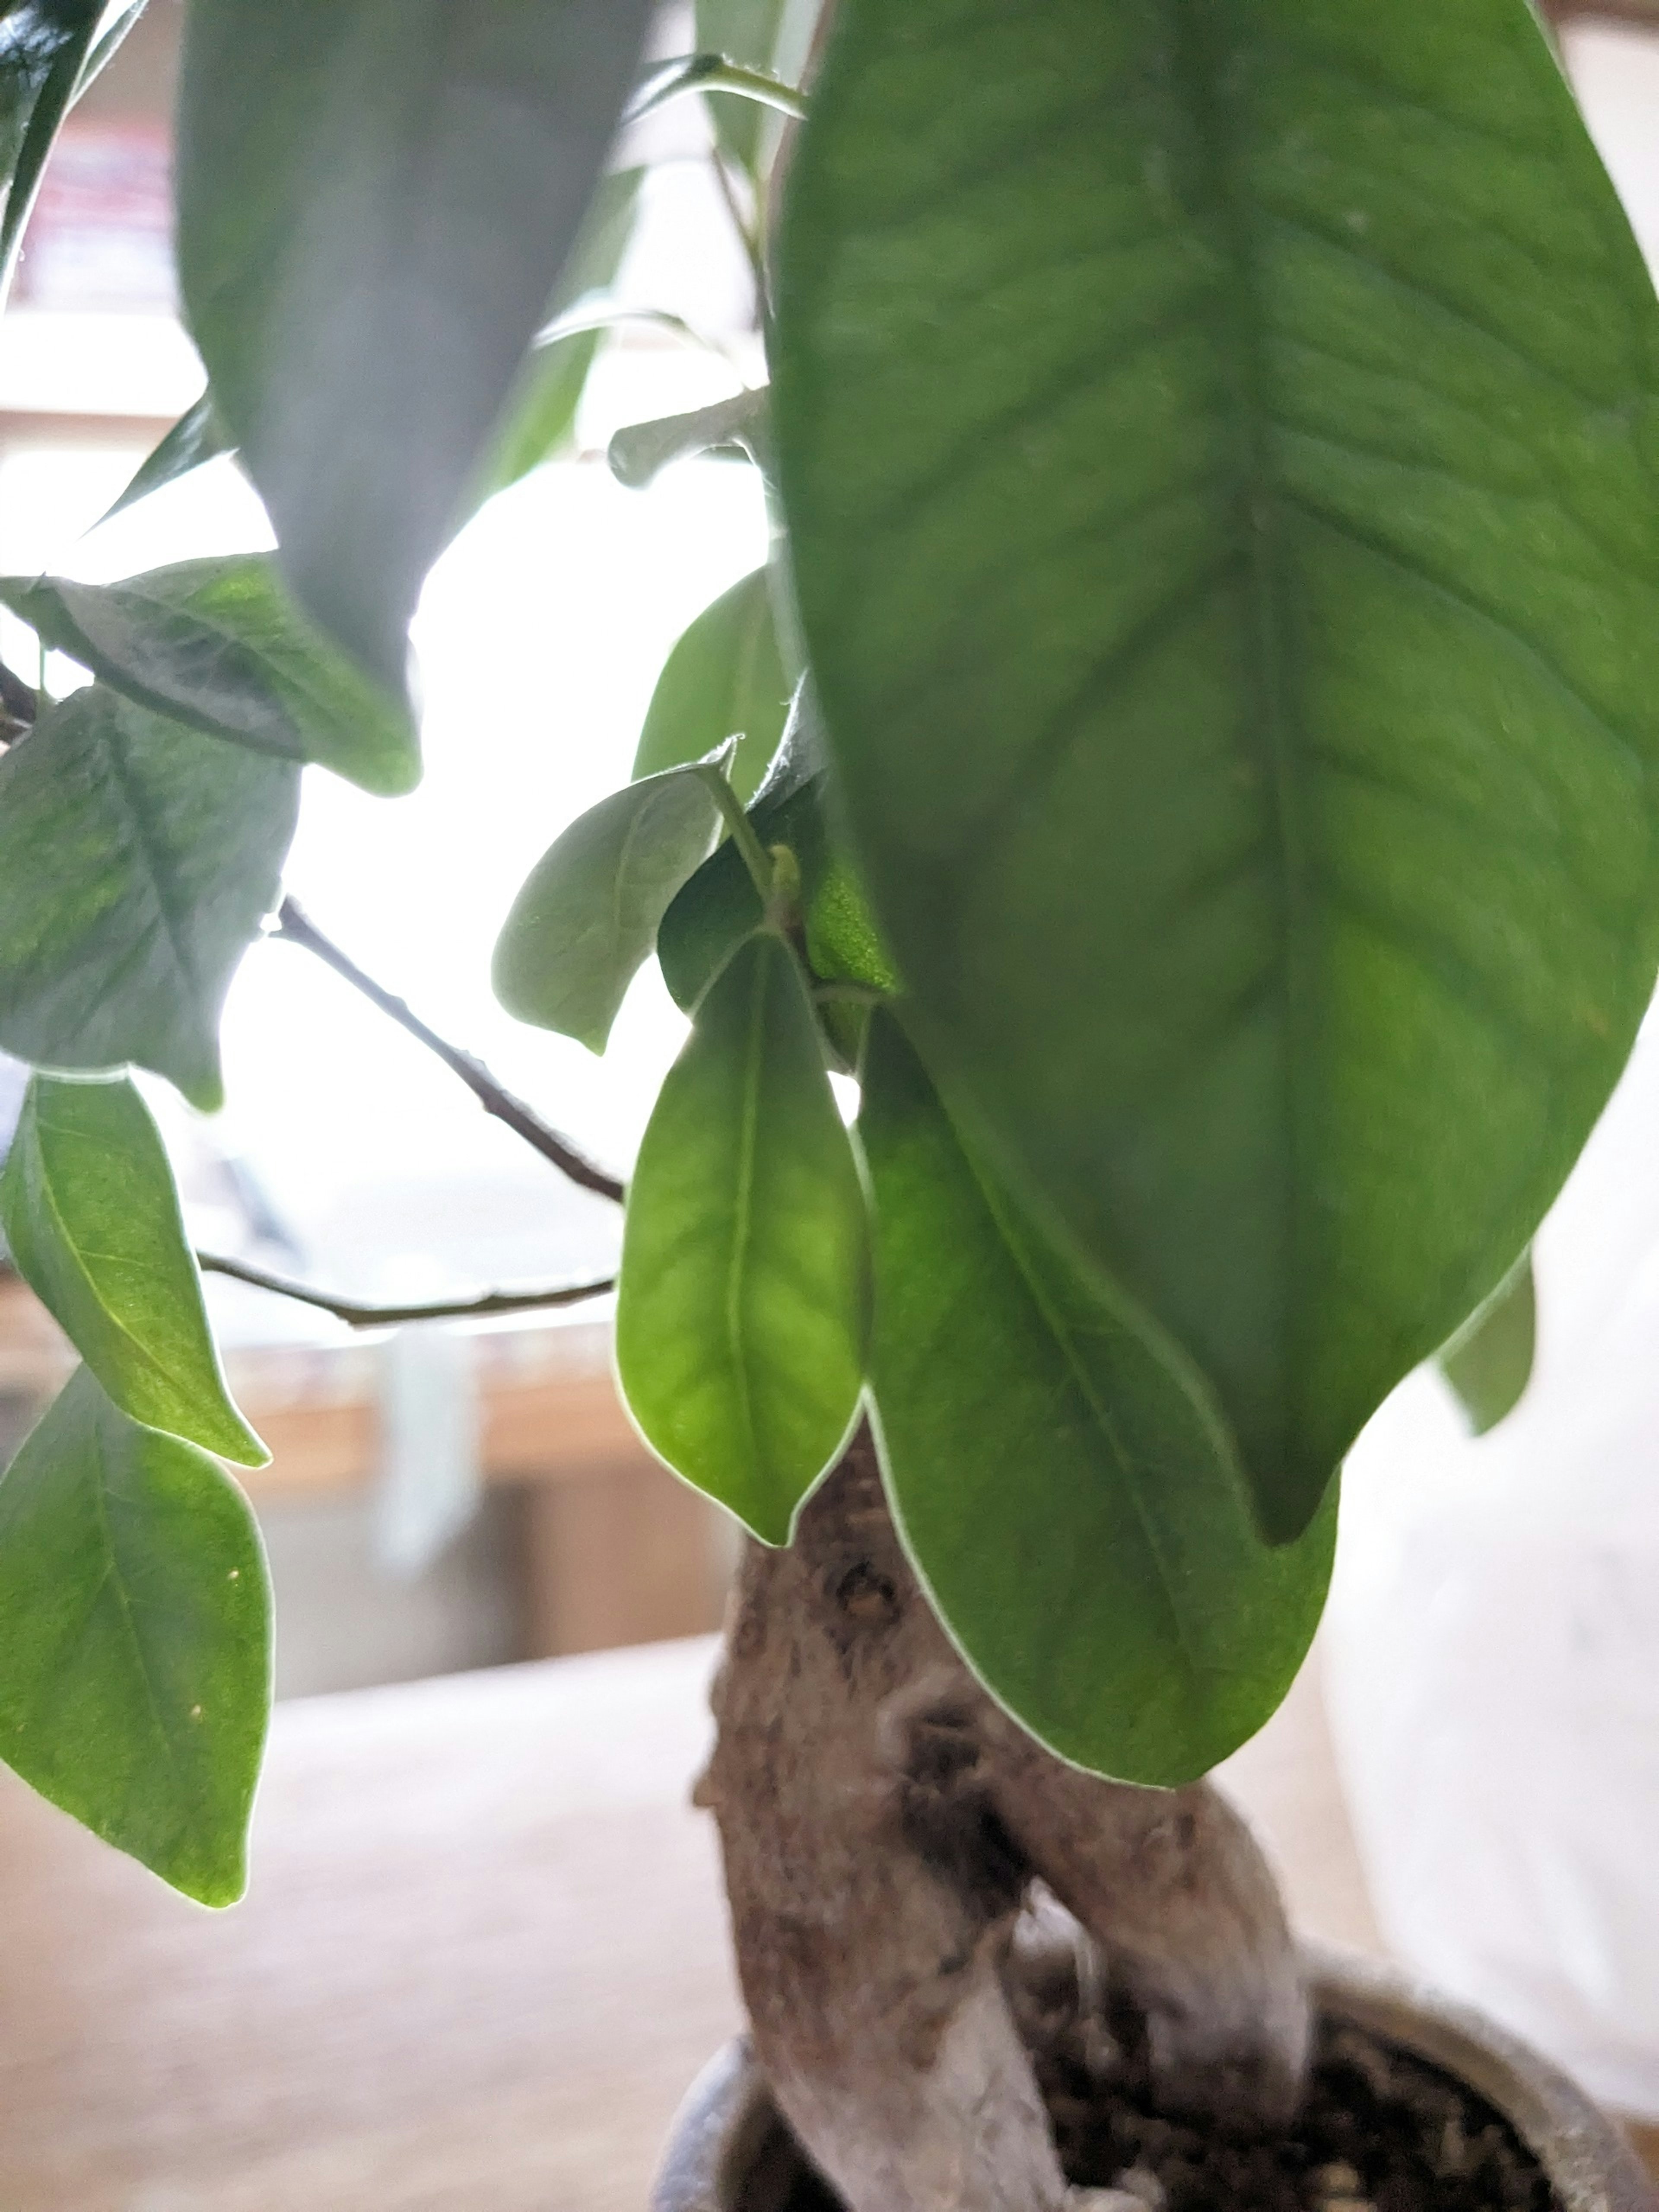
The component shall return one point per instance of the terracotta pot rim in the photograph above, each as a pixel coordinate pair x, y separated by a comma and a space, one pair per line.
728, 2151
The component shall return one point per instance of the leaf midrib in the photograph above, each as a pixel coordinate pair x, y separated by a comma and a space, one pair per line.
743, 1208
1200, 63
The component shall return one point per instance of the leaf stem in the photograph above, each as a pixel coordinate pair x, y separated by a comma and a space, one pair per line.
607, 319
711, 72
294, 927
755, 858
748, 232
356, 1316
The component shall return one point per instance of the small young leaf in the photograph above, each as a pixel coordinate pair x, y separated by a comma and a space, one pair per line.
91, 1216
376, 200
45, 46
199, 436
219, 645
740, 1316
725, 678
1489, 1362
587, 916
135, 1640
1062, 1474
720, 906
138, 861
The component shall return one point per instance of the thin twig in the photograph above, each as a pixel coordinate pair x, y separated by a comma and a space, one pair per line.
294, 927
356, 1316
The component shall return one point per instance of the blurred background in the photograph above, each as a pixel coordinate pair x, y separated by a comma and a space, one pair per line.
526, 1521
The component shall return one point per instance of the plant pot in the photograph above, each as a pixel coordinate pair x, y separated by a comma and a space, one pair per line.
729, 2151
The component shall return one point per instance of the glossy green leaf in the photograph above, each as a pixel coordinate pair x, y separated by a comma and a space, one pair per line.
91, 1217
1489, 1362
587, 918
1221, 448
740, 1314
540, 415
1062, 1474
199, 436
774, 35
138, 861
135, 1640
376, 199
725, 678
45, 48
219, 645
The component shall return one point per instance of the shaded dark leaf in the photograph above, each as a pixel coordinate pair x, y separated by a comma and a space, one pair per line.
198, 437
138, 861
220, 646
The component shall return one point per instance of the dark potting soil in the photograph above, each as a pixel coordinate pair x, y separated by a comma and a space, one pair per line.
1379, 2132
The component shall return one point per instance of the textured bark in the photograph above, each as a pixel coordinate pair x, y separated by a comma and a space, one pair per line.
883, 1822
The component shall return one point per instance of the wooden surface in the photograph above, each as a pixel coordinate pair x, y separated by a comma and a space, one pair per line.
483, 1954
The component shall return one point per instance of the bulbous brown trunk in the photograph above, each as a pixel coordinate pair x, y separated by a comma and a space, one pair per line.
883, 1821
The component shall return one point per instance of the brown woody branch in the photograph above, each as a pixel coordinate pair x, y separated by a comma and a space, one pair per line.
294, 927
356, 1316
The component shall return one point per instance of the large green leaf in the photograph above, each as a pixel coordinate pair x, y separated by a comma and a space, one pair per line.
587, 916
740, 1313
1489, 1362
219, 645
1220, 445
91, 1217
46, 49
135, 1640
725, 678
138, 861
1062, 1474
376, 198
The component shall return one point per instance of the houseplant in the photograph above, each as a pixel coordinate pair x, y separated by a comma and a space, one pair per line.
1212, 446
